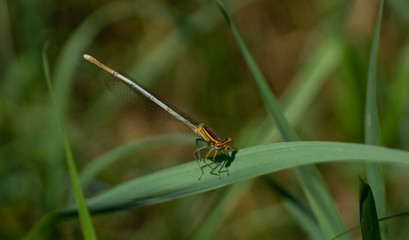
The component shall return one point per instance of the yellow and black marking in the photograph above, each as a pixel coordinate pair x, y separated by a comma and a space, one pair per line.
215, 145
209, 136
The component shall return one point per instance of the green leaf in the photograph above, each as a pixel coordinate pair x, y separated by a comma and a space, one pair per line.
371, 113
85, 218
310, 179
269, 100
367, 213
373, 170
296, 100
182, 180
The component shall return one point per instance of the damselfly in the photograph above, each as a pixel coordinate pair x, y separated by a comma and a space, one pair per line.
214, 145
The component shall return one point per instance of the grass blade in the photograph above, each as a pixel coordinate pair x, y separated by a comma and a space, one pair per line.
269, 100
373, 170
250, 162
367, 213
298, 209
313, 186
297, 97
85, 218
65, 67
371, 113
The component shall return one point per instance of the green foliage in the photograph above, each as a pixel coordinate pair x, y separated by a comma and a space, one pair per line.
248, 163
367, 213
374, 171
314, 59
83, 212
311, 181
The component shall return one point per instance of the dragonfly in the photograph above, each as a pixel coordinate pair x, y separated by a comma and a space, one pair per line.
213, 145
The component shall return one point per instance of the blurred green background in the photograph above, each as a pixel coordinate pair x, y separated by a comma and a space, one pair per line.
185, 53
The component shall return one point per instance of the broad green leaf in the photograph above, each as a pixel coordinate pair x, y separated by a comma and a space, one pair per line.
182, 180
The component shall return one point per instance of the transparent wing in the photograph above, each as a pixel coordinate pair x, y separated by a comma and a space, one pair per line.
129, 95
